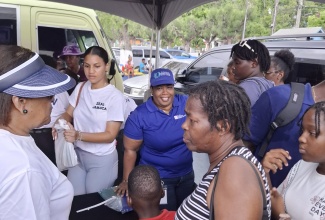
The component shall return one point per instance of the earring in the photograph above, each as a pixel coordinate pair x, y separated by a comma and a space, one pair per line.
25, 111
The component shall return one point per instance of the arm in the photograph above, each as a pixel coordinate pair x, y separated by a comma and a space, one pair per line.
130, 155
237, 195
25, 197
274, 160
277, 204
260, 122
108, 136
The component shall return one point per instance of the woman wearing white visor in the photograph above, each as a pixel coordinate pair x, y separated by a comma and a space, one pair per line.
31, 187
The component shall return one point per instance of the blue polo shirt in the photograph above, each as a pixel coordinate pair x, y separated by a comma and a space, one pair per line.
265, 110
162, 136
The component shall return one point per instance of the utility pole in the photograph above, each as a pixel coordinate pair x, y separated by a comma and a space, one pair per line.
298, 17
276, 3
244, 28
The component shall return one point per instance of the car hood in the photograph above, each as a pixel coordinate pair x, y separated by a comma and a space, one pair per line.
137, 82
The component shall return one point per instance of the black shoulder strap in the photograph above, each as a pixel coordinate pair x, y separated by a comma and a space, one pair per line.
265, 213
289, 113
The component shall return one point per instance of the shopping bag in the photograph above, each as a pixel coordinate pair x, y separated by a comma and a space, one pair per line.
65, 154
112, 200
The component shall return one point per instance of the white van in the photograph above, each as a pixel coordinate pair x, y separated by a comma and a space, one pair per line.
46, 27
140, 52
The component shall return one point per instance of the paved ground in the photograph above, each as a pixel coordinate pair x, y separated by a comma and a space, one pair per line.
200, 165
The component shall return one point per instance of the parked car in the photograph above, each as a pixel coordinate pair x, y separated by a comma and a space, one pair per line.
135, 87
180, 54
309, 66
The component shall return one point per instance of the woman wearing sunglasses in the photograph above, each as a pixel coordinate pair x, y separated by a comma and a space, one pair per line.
281, 65
251, 62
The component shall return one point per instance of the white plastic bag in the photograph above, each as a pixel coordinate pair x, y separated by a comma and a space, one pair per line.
65, 154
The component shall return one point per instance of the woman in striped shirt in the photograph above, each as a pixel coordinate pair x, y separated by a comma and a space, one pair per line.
217, 116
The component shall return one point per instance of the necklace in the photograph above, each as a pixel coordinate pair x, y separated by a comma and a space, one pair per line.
167, 112
313, 91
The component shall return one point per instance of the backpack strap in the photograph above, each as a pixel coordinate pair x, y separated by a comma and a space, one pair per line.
289, 113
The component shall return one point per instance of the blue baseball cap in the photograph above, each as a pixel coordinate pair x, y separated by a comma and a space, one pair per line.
34, 79
161, 76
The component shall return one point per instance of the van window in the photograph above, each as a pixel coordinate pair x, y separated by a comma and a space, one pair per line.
147, 53
137, 53
164, 55
52, 39
8, 25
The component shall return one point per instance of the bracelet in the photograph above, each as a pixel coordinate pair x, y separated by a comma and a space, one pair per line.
79, 137
125, 181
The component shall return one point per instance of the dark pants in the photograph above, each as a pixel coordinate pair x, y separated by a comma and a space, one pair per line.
178, 189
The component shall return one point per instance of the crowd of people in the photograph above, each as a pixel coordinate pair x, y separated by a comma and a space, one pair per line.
228, 120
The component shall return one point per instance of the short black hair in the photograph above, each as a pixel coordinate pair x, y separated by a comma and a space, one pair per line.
319, 108
226, 102
258, 51
144, 183
284, 60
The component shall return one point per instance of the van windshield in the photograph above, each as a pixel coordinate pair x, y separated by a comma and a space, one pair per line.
53, 39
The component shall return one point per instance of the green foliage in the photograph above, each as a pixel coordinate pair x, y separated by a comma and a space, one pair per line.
221, 21
317, 20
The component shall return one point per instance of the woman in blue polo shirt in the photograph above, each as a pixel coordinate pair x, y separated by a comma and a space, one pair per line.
154, 129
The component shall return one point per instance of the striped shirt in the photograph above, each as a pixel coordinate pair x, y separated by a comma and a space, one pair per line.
195, 205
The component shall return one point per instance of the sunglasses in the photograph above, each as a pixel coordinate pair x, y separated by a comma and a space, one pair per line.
276, 71
245, 44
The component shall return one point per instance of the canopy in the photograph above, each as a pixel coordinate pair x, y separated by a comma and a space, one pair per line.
142, 11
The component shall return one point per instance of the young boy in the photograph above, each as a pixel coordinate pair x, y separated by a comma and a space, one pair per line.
145, 191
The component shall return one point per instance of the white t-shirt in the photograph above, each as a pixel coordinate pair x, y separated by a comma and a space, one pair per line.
304, 192
59, 106
95, 108
31, 187
130, 105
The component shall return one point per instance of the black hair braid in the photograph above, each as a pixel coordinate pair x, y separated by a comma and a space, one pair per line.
261, 53
319, 108
226, 102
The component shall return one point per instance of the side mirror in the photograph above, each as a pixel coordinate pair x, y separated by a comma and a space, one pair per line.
112, 70
180, 77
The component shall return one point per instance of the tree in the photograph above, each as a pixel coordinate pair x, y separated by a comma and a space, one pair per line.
317, 20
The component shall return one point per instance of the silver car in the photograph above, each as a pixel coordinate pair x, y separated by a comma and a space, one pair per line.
135, 87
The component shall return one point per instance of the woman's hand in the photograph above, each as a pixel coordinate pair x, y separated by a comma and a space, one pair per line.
278, 205
275, 159
71, 135
122, 188
54, 133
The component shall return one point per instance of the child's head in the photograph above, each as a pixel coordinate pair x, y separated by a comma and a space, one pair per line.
312, 138
144, 187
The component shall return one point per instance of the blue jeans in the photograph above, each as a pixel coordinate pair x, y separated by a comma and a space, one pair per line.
177, 190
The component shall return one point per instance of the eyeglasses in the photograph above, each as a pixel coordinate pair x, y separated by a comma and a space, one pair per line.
276, 71
245, 44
